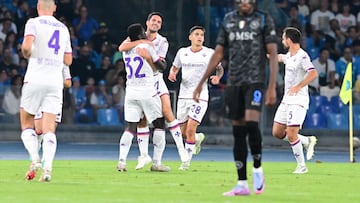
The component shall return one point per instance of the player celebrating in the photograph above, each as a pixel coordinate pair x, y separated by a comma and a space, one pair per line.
193, 60
141, 97
290, 115
160, 43
47, 46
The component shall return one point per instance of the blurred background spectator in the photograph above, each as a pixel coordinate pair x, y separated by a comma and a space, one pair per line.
11, 101
326, 82
101, 98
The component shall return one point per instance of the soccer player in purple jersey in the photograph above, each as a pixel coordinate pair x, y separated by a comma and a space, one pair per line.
248, 34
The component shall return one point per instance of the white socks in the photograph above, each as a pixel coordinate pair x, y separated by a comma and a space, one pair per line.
30, 141
49, 149
190, 147
175, 131
159, 145
303, 139
124, 146
298, 152
143, 135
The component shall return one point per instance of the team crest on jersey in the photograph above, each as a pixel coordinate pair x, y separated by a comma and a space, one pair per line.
242, 24
254, 25
204, 54
230, 25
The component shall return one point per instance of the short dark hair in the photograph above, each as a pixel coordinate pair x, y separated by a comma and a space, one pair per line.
134, 31
196, 27
155, 13
293, 33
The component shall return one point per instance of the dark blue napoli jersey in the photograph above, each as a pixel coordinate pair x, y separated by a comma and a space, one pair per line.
246, 38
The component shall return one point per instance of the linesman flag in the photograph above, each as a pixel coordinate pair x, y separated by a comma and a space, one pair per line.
346, 87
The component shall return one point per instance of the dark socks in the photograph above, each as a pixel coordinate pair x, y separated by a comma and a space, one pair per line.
240, 150
255, 142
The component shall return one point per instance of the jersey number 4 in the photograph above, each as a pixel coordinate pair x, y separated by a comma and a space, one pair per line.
54, 41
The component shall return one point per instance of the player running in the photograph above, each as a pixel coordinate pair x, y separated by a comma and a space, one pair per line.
193, 61
290, 115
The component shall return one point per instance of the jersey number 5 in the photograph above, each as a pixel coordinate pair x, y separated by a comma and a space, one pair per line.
54, 41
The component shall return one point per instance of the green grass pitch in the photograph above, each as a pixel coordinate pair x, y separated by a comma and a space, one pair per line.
99, 181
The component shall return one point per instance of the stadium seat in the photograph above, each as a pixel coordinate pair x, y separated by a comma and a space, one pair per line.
325, 109
356, 109
356, 122
108, 117
85, 115
337, 121
345, 110
316, 101
315, 120
336, 104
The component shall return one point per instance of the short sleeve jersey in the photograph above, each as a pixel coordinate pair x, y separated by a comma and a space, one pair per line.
51, 42
140, 75
246, 37
161, 45
296, 67
193, 65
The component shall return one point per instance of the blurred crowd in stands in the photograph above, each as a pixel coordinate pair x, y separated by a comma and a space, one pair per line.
331, 37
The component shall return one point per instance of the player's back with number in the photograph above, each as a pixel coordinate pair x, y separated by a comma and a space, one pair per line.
51, 42
140, 74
